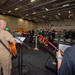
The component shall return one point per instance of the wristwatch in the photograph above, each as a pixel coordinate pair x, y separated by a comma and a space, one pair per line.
59, 58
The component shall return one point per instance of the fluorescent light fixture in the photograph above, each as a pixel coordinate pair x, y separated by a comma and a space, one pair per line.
59, 14
33, 0
34, 13
16, 8
65, 5
69, 11
46, 9
9, 11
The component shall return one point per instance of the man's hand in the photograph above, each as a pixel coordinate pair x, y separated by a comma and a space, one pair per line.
58, 53
59, 58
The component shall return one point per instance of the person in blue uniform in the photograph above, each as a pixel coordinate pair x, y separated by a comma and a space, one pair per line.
66, 63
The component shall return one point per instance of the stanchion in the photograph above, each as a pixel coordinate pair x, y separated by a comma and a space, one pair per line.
36, 48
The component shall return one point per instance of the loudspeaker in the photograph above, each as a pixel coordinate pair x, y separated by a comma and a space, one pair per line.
51, 64
51, 61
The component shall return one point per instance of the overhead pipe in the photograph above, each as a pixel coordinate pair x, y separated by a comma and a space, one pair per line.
56, 11
37, 5
44, 4
56, 8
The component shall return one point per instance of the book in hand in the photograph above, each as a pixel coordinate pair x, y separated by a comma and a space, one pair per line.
63, 47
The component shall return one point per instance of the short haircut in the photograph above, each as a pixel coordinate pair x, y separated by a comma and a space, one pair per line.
2, 22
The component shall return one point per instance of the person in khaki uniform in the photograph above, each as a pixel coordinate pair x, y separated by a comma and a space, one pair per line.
5, 55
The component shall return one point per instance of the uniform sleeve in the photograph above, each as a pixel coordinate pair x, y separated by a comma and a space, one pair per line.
9, 37
66, 65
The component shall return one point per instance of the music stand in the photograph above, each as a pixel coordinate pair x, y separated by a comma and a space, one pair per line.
20, 39
20, 66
